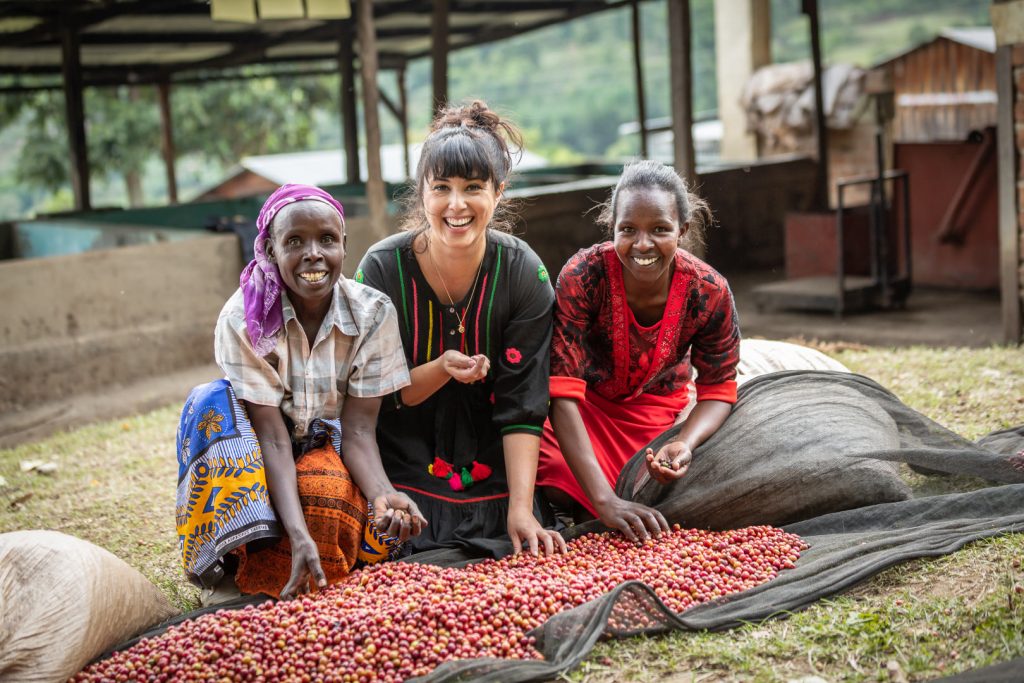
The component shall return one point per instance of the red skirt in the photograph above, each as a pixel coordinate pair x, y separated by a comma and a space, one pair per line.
617, 429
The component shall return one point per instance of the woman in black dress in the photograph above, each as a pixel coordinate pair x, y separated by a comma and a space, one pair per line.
474, 308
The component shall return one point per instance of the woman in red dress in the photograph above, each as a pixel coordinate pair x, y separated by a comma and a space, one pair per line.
634, 317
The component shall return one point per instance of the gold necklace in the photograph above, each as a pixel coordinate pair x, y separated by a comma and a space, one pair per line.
472, 291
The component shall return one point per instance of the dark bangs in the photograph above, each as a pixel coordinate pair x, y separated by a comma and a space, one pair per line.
460, 153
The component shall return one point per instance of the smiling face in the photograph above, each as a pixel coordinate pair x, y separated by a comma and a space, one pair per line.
459, 209
307, 244
646, 232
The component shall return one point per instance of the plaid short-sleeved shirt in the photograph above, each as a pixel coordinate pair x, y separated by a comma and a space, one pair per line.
358, 351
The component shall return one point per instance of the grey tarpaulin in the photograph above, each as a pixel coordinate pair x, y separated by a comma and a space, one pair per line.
793, 439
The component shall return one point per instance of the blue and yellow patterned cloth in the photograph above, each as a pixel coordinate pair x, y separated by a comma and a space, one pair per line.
222, 497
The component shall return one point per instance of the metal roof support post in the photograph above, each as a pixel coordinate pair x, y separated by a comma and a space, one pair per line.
810, 8
403, 106
681, 79
1009, 226
163, 90
347, 99
376, 194
439, 54
638, 68
74, 111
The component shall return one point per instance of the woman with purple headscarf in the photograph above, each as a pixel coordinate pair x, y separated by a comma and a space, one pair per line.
279, 475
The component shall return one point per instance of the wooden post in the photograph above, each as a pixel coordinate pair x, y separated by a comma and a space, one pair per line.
349, 117
1009, 229
74, 112
163, 90
680, 77
439, 54
638, 68
376, 195
403, 106
810, 8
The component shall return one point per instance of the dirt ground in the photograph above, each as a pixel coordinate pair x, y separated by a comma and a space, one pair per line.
931, 317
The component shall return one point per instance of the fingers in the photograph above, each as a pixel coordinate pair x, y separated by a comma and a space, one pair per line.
553, 542
517, 545
625, 526
549, 543
318, 573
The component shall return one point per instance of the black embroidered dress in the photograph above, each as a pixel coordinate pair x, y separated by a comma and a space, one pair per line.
446, 453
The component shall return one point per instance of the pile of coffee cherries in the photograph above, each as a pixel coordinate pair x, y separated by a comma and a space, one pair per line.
394, 621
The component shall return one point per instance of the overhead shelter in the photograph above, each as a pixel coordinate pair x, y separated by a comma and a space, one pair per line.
76, 44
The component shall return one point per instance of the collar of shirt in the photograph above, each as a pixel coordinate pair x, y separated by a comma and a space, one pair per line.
339, 314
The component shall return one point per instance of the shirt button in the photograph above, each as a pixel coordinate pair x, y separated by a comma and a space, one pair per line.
451, 331
451, 310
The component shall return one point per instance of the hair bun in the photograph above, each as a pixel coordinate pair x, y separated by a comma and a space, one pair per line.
476, 114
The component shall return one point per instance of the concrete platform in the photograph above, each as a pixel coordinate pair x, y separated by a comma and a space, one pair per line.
930, 317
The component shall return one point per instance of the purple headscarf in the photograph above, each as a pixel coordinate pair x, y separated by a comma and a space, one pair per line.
261, 280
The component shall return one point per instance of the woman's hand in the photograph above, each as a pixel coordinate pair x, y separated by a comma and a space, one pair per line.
527, 533
305, 565
397, 516
463, 368
635, 521
670, 463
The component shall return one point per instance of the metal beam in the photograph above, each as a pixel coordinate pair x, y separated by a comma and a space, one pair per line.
638, 69
74, 113
376, 196
681, 77
167, 140
810, 8
349, 115
439, 55
1009, 213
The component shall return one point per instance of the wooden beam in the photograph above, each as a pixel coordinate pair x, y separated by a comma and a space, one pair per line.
439, 55
638, 69
1009, 213
681, 83
376, 195
403, 105
167, 140
347, 99
74, 112
810, 8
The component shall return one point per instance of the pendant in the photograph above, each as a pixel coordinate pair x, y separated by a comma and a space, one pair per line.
462, 329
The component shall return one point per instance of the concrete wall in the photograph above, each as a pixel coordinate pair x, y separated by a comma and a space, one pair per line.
74, 323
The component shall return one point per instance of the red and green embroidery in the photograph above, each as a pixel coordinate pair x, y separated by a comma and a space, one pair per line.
459, 480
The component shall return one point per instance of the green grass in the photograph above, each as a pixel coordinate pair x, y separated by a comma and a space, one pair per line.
927, 618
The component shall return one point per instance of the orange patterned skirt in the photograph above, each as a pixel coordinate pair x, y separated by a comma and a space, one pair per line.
336, 515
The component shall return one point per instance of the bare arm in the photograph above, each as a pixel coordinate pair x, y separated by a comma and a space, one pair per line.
634, 520
396, 514
275, 442
521, 452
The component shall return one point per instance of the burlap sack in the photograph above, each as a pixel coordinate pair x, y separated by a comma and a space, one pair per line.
64, 601
761, 356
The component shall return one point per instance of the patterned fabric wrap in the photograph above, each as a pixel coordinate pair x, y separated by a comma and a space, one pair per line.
224, 504
261, 281
222, 498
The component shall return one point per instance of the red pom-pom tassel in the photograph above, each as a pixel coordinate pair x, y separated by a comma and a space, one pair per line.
441, 468
479, 472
